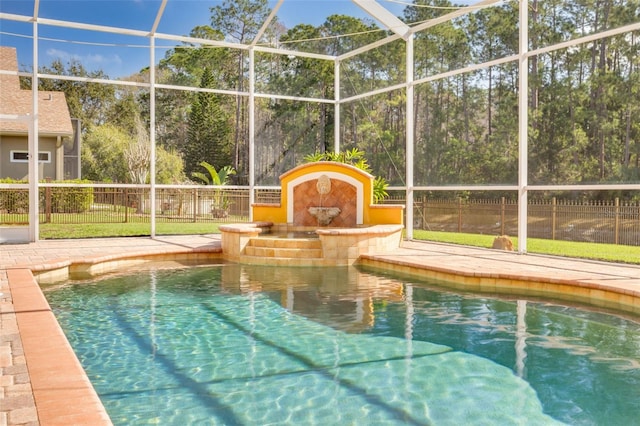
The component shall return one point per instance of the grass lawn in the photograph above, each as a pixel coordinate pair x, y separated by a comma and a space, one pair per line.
607, 252
95, 230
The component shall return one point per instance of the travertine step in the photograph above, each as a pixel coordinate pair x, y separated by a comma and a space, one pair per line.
276, 242
283, 252
284, 261
292, 248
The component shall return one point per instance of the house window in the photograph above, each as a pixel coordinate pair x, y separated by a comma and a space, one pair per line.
23, 157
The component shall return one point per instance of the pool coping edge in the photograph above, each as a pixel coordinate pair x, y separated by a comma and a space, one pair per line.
62, 391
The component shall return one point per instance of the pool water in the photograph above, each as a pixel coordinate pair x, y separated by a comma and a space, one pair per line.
233, 344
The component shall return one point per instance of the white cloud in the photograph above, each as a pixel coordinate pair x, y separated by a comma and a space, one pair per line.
91, 61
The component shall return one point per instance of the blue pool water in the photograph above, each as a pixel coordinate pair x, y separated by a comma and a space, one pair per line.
234, 344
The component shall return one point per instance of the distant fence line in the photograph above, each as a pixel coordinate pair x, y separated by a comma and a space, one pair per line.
611, 221
614, 221
81, 204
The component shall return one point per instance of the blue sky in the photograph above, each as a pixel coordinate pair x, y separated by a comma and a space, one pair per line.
120, 56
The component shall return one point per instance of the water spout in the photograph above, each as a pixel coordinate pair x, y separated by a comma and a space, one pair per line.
324, 214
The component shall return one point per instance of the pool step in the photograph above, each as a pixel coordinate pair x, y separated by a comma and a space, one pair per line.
287, 248
287, 243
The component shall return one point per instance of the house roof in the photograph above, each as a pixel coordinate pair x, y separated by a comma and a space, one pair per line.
53, 118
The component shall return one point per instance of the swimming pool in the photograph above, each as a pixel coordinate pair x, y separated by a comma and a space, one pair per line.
237, 344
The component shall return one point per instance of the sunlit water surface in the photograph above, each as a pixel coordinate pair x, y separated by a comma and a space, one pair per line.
233, 344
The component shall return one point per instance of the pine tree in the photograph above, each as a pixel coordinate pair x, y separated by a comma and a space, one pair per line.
208, 134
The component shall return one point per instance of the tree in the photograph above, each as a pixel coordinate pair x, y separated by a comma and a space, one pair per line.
136, 155
111, 155
208, 130
169, 167
583, 110
184, 66
125, 113
102, 154
240, 21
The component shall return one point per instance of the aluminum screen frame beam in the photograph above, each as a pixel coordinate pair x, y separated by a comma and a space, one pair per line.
386, 18
523, 125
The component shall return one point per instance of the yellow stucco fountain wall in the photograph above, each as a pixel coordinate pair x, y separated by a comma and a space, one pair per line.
352, 191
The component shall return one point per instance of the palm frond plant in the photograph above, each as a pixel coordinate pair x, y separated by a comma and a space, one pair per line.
356, 158
218, 178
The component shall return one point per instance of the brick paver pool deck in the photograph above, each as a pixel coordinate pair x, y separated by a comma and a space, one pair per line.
42, 383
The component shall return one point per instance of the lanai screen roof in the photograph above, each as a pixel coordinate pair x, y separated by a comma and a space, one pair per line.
113, 34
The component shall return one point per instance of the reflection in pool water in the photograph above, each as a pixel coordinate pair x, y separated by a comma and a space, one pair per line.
236, 344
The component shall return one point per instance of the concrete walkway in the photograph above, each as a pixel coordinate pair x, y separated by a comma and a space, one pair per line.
603, 284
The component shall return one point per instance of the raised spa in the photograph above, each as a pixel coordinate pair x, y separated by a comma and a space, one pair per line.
332, 199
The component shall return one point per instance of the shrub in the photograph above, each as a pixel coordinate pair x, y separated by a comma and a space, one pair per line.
14, 200
62, 200
356, 158
71, 199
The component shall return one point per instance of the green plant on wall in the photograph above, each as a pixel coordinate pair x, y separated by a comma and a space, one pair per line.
356, 158
215, 177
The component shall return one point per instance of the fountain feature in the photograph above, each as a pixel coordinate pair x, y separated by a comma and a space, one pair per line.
347, 222
324, 215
